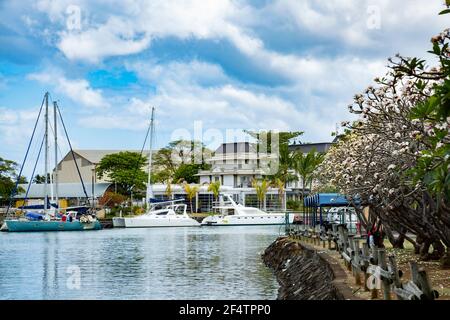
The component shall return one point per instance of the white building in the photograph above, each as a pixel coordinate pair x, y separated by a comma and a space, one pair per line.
236, 165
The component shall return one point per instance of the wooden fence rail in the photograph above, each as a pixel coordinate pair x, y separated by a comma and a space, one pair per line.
370, 267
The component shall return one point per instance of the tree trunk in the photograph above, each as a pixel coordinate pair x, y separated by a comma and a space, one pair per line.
424, 249
445, 259
397, 242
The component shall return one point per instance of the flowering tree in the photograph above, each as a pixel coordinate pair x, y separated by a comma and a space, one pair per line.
395, 158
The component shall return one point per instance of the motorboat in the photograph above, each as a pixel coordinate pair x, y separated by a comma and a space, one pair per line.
230, 213
160, 214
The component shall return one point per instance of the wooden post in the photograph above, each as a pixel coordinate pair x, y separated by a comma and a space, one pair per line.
424, 282
386, 285
366, 254
414, 268
357, 266
393, 269
374, 255
374, 261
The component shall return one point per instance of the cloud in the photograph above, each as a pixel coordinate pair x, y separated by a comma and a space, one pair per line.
183, 96
78, 90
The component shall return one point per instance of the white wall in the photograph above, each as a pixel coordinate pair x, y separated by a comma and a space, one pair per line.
204, 179
228, 180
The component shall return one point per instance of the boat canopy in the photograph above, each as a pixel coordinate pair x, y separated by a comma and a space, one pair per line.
34, 216
326, 200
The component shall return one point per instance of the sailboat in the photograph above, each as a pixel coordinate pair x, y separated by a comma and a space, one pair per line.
50, 218
160, 213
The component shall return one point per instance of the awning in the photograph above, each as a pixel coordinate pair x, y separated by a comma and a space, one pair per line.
326, 200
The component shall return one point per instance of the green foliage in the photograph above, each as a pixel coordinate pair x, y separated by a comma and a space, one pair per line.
261, 188
294, 205
306, 165
187, 172
432, 169
191, 191
40, 179
8, 178
214, 187
179, 160
265, 138
124, 168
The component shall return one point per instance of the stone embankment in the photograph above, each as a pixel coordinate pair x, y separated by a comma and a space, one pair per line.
303, 273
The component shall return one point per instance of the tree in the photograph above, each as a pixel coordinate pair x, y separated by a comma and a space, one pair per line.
265, 138
169, 191
40, 179
214, 187
280, 185
191, 191
125, 169
180, 159
261, 188
8, 178
187, 172
395, 158
306, 165
111, 199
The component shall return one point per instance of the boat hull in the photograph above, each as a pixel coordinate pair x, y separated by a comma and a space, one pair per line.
33, 226
250, 220
154, 222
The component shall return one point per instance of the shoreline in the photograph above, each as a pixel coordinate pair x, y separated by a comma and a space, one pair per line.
304, 273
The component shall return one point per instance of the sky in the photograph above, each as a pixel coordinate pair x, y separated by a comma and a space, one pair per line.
210, 68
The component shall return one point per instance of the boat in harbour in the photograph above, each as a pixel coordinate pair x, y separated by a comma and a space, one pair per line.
230, 213
50, 217
170, 213
160, 214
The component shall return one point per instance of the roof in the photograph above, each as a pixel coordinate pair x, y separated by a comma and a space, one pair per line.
94, 156
236, 147
65, 190
307, 147
326, 200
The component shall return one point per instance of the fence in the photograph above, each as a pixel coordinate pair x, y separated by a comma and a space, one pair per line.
370, 267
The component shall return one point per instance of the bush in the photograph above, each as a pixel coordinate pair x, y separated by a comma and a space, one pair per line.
294, 205
111, 199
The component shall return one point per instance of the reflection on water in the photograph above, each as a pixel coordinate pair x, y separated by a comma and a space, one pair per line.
159, 263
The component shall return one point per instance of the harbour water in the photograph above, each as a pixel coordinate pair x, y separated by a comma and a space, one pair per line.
158, 263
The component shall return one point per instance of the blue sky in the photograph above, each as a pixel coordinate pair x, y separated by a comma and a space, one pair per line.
286, 65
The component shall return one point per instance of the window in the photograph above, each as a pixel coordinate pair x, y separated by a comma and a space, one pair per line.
162, 213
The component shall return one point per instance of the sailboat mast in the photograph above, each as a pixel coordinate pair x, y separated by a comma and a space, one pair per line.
149, 186
46, 154
55, 179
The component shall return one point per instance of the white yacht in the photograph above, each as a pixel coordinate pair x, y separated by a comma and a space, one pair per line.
231, 213
161, 214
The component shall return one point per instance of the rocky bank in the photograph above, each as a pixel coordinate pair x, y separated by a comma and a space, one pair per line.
302, 272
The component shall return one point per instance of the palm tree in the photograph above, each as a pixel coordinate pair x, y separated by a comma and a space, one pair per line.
261, 190
305, 165
169, 191
191, 191
280, 185
214, 187
287, 161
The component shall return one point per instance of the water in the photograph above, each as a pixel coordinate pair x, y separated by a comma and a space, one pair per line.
158, 263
